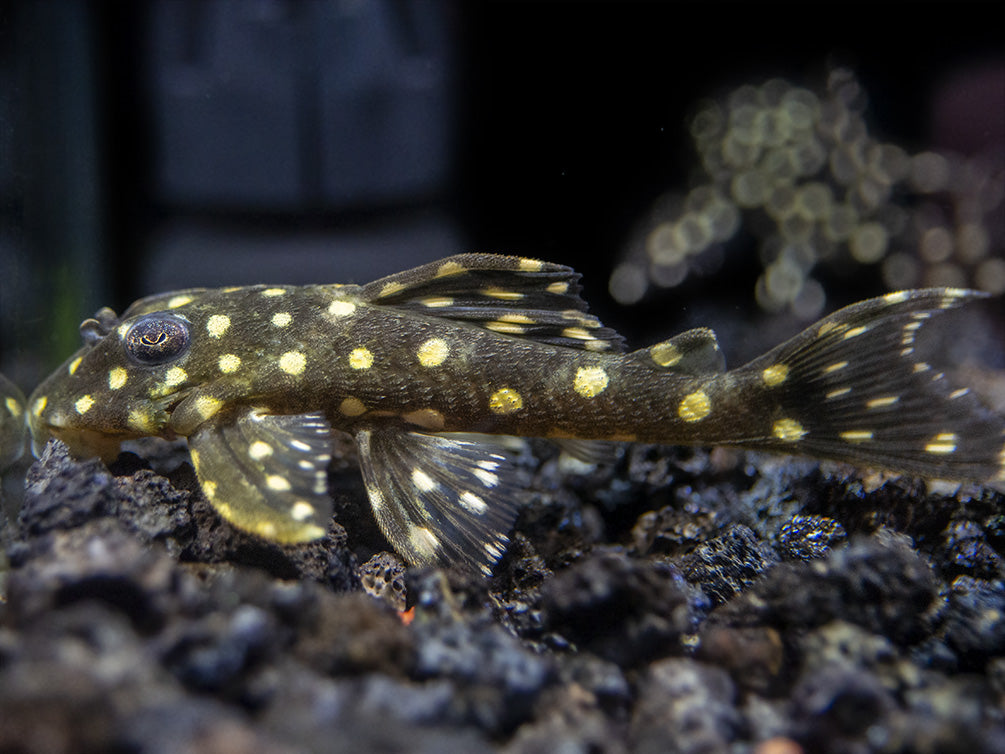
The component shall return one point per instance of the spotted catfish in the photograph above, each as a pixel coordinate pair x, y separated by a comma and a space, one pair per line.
258, 377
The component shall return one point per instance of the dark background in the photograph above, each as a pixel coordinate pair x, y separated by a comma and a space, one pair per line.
166, 144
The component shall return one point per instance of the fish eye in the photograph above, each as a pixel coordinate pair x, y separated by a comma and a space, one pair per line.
157, 339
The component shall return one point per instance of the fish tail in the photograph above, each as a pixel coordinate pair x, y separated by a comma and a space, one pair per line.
852, 388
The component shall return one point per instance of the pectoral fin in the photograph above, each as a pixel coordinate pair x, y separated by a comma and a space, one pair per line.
267, 474
439, 500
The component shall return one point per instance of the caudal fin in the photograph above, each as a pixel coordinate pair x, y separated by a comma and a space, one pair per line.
852, 388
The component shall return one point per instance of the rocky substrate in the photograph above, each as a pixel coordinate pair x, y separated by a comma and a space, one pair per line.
671, 601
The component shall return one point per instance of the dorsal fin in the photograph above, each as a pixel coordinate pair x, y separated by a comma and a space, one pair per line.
509, 295
694, 352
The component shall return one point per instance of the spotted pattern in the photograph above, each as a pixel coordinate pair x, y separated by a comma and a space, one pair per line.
281, 319
259, 450
856, 435
74, 365
175, 376
882, 402
530, 265
217, 325
502, 294
449, 268
695, 406
207, 406
835, 367
422, 481
229, 363
351, 407
39, 405
775, 375
390, 289
340, 308
665, 354
177, 301
788, 430
293, 362
274, 292
427, 418
301, 510
277, 483
433, 352
361, 358
942, 444
590, 381
140, 420
83, 404
117, 378
505, 401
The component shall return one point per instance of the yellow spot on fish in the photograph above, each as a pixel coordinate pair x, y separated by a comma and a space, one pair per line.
83, 404
13, 407
273, 292
788, 430
433, 352
502, 294
836, 366
177, 301
509, 328
427, 418
471, 502
886, 400
590, 381
558, 288
140, 420
301, 510
437, 302
958, 393
72, 367
775, 375
505, 401
265, 529
897, 297
390, 289
422, 481
175, 376
277, 483
827, 327
577, 333
339, 308
361, 358
837, 393
856, 435
423, 541
117, 377
921, 366
352, 407
207, 406
694, 407
520, 319
293, 362
209, 488
39, 406
449, 268
281, 319
217, 325
229, 362
531, 265
259, 450
942, 443
855, 332
665, 354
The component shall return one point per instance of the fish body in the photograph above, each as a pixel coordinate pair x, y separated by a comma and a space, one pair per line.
13, 426
257, 378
